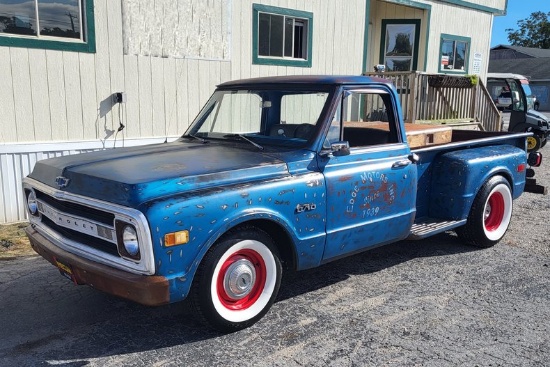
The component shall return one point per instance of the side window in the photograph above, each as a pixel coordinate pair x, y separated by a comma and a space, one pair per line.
367, 117
299, 115
66, 25
303, 108
454, 54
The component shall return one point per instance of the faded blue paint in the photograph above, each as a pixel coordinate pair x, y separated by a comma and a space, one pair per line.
457, 177
207, 214
329, 206
134, 175
370, 202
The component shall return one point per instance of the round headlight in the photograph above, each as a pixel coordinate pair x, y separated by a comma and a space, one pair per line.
32, 203
130, 240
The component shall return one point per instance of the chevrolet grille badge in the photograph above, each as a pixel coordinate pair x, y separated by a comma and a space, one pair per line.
62, 181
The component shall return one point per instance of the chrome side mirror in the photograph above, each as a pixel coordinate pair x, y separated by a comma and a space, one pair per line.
340, 148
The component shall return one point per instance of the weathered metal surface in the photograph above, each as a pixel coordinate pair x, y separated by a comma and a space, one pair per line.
458, 175
370, 200
150, 290
324, 205
130, 176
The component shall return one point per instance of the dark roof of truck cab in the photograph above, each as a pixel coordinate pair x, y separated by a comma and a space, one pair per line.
306, 79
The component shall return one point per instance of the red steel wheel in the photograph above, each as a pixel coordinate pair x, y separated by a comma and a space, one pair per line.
238, 280
241, 280
489, 215
494, 212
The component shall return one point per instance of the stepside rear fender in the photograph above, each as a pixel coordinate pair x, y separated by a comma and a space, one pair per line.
457, 176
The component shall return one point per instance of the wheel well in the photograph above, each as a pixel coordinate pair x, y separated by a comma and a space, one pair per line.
282, 239
507, 177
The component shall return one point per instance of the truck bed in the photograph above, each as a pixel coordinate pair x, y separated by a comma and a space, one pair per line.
469, 138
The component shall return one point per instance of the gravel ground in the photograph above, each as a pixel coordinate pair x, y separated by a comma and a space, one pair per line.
430, 303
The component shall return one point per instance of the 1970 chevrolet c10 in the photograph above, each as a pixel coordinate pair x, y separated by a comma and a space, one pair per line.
274, 173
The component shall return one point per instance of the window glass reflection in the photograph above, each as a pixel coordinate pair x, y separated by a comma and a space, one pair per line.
18, 17
56, 18
59, 18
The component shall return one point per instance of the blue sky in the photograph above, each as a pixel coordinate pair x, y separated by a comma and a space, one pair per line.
517, 10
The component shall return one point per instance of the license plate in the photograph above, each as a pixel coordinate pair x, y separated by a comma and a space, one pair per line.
65, 270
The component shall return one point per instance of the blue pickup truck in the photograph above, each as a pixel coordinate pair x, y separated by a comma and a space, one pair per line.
280, 173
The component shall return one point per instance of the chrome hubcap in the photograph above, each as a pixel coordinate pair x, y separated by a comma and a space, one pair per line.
239, 279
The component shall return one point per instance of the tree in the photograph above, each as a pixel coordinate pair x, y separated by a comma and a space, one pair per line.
533, 31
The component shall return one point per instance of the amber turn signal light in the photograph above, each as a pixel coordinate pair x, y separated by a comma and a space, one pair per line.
176, 238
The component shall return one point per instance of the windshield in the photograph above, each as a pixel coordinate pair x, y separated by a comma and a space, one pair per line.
266, 117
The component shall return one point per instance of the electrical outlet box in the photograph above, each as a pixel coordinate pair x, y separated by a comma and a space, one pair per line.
119, 97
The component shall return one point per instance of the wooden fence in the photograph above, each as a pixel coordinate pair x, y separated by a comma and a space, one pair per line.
445, 99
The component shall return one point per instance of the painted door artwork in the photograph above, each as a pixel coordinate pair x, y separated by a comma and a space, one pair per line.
399, 44
370, 191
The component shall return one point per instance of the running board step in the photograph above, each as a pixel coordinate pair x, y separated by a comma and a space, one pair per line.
430, 226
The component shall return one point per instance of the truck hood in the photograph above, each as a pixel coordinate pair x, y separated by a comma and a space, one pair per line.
131, 176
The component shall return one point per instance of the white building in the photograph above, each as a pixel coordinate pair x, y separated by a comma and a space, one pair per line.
61, 62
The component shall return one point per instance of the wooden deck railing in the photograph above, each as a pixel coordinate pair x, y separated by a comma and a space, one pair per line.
442, 98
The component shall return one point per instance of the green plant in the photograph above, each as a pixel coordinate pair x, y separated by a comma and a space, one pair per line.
474, 80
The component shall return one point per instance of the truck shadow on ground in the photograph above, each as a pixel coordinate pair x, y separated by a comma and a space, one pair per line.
370, 261
129, 328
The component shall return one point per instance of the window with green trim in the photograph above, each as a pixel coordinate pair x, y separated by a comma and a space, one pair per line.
49, 24
281, 36
454, 54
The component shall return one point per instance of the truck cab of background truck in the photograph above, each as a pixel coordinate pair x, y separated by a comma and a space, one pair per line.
274, 173
520, 101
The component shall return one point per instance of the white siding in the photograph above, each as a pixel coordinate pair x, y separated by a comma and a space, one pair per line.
65, 96
170, 28
40, 99
460, 22
8, 123
17, 161
168, 56
22, 92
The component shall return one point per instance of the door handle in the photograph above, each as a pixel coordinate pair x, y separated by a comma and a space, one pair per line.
399, 164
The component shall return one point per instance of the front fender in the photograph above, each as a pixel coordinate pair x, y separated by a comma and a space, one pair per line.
208, 214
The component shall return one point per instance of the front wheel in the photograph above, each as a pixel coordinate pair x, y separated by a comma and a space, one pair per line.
238, 280
490, 214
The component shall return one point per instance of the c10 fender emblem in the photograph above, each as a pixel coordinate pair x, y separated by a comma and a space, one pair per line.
300, 208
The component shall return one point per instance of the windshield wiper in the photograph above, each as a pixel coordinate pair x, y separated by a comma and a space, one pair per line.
204, 141
245, 139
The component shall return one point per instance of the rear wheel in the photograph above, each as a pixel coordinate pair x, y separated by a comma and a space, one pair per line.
490, 214
238, 280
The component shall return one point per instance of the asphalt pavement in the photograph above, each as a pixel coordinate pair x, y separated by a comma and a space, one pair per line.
435, 302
